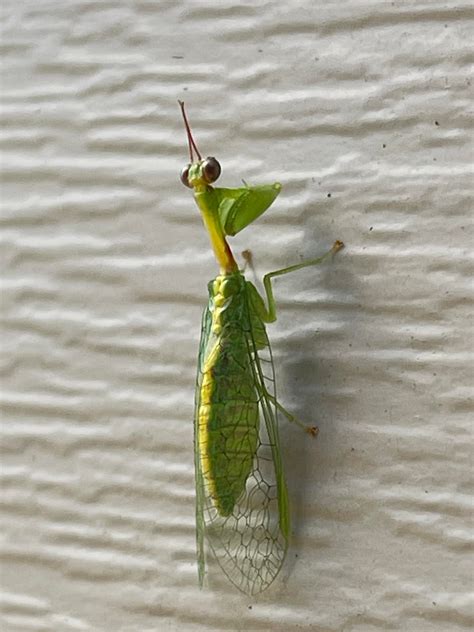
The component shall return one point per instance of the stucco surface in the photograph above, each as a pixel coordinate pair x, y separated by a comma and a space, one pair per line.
360, 109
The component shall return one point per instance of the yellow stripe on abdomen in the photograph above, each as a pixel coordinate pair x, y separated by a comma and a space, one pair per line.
207, 388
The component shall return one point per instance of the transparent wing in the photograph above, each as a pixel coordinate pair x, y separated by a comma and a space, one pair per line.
250, 544
200, 497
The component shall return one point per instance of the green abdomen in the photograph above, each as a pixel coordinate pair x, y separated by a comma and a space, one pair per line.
228, 425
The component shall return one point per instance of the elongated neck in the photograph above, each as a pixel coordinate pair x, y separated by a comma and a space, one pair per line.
221, 248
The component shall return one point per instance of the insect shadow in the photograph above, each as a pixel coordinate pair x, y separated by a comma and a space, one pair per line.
311, 379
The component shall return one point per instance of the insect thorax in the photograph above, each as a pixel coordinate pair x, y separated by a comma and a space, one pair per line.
227, 300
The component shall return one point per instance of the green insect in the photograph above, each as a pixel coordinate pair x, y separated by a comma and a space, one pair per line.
242, 506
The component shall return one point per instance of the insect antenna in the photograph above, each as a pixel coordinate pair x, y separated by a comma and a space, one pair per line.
191, 143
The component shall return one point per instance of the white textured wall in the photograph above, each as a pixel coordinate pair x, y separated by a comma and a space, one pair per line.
105, 271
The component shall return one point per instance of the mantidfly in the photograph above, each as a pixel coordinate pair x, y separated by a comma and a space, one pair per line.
242, 507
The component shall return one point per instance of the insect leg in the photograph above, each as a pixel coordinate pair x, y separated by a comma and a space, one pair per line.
312, 430
270, 316
248, 258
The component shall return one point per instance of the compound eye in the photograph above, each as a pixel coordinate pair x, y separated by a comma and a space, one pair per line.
211, 170
184, 176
